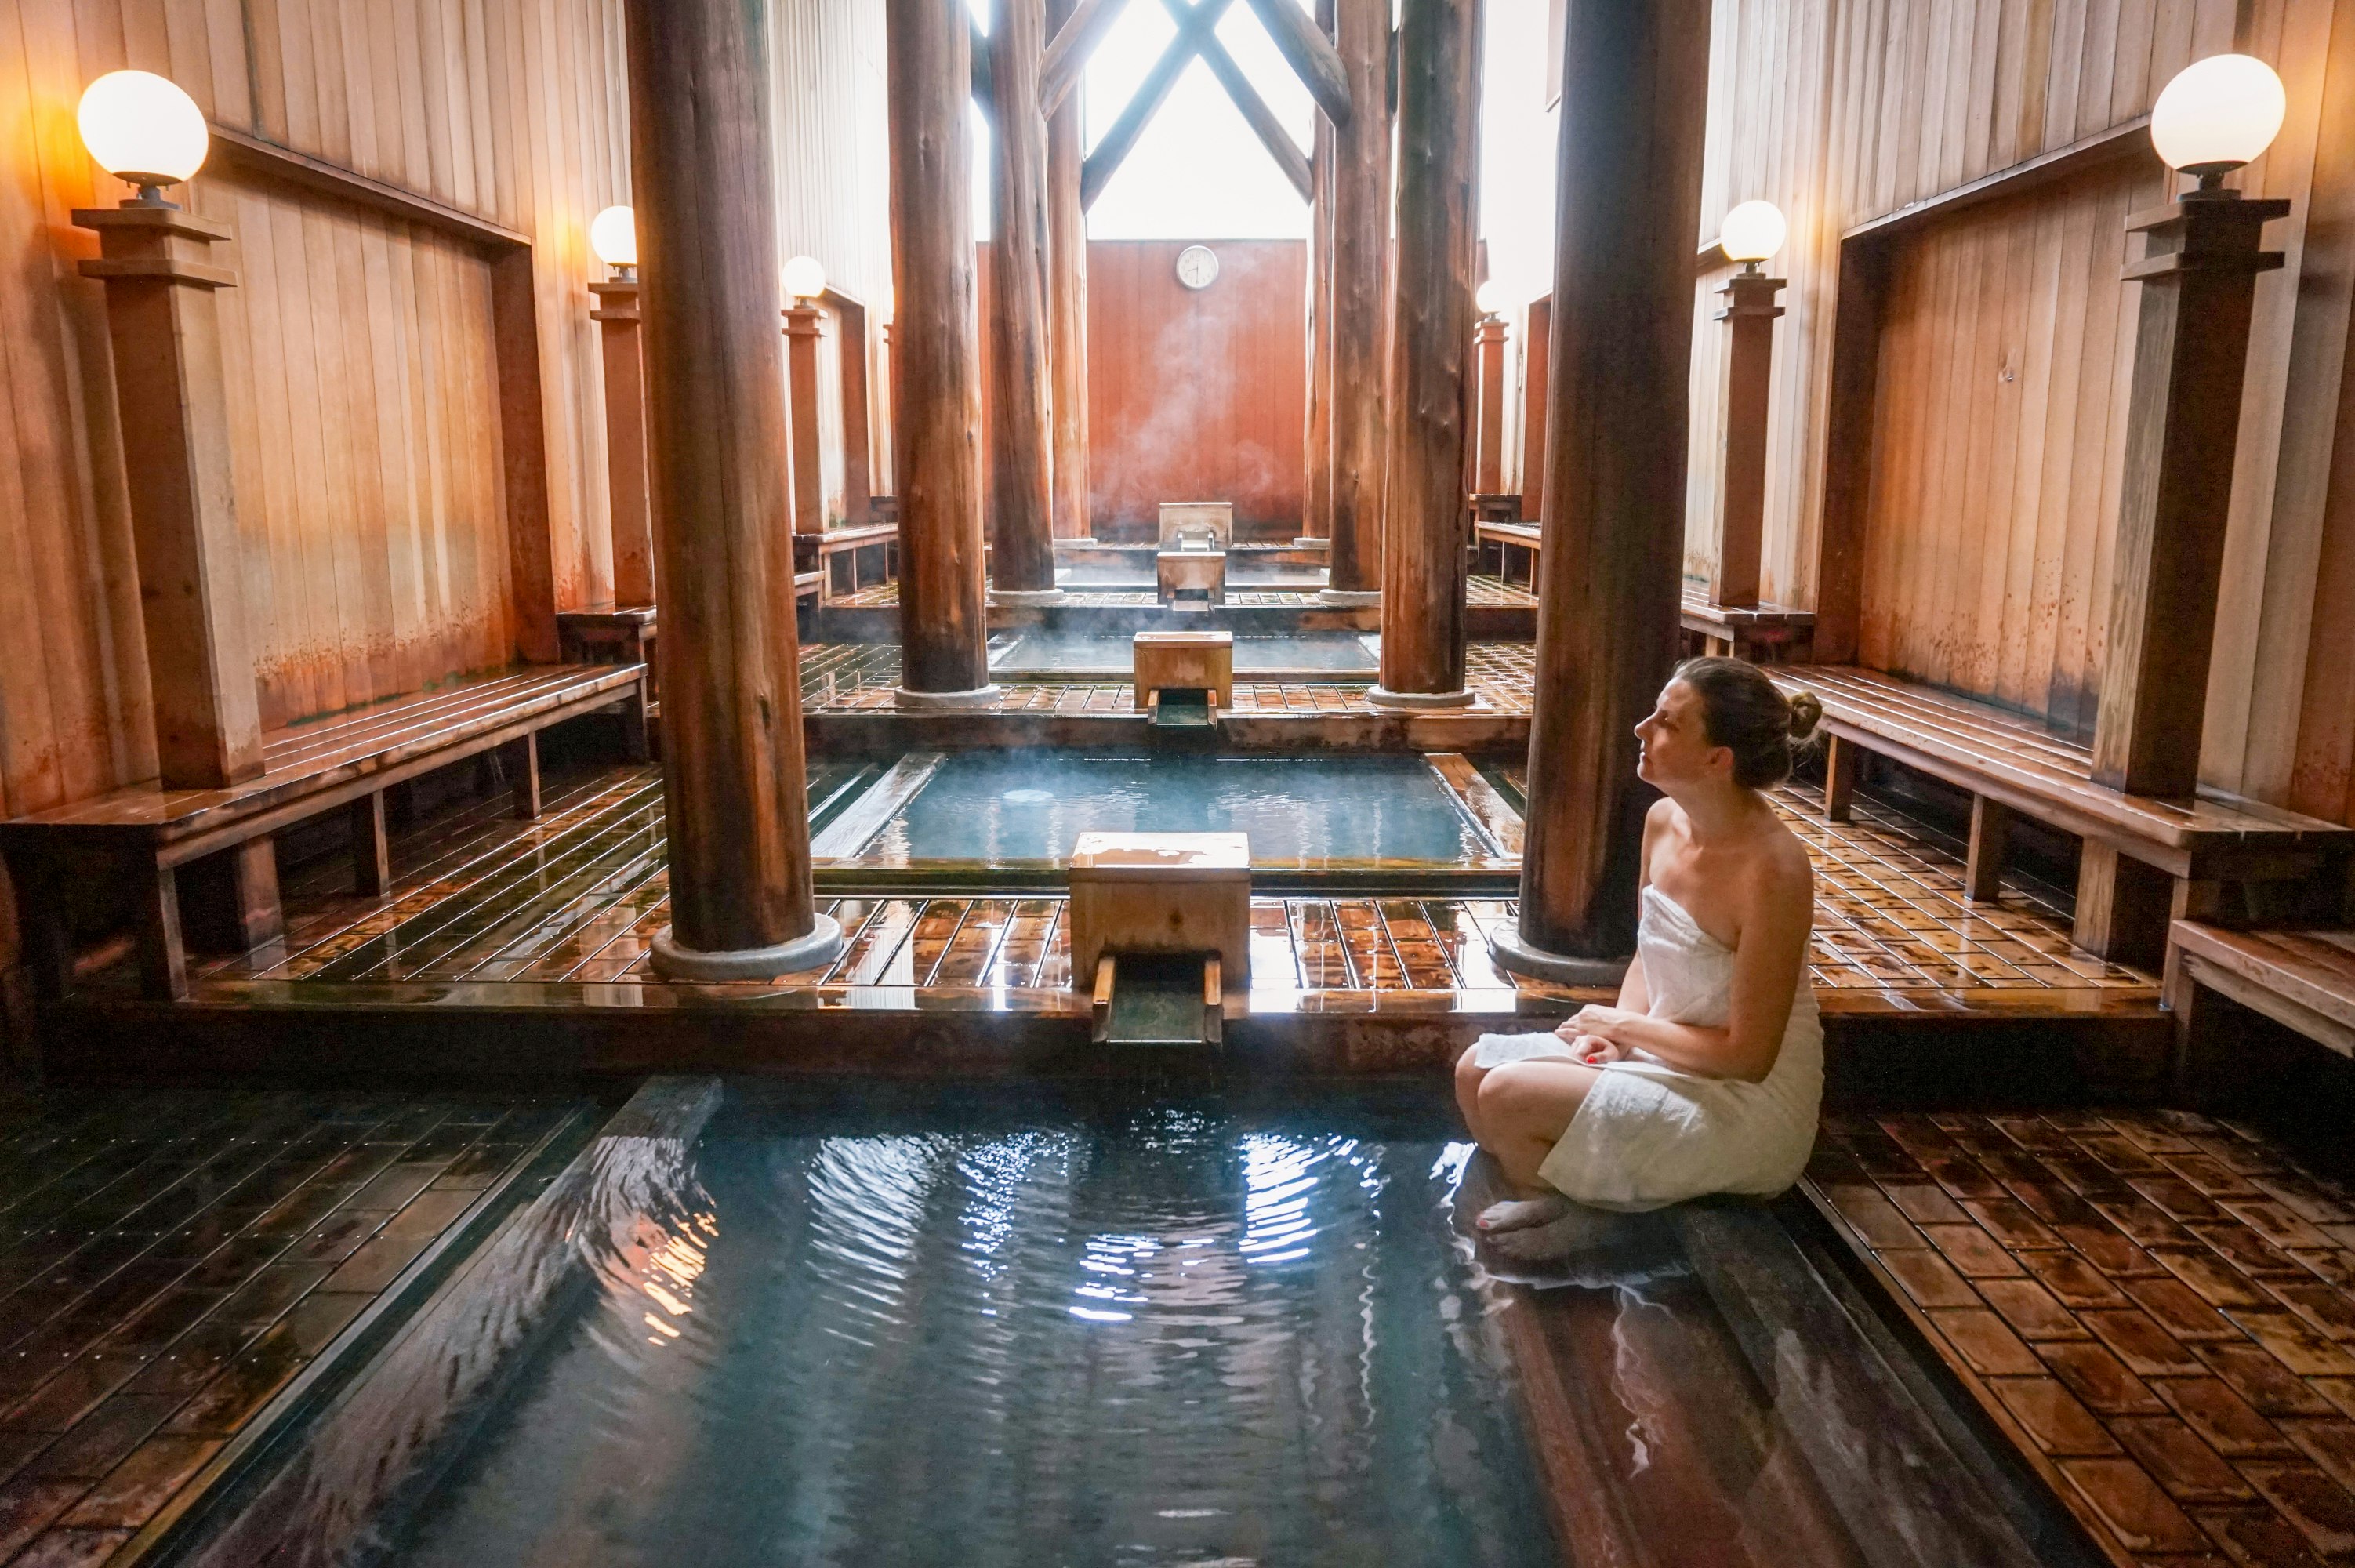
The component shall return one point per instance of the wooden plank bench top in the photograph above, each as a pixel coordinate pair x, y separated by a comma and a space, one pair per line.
834, 539
2304, 979
1700, 614
1527, 536
2042, 774
310, 766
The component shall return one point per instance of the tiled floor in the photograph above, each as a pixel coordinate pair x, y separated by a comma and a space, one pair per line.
168, 1263
853, 676
2158, 1308
578, 895
1478, 589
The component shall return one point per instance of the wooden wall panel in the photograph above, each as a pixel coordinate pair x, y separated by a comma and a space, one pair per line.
1989, 503
1197, 396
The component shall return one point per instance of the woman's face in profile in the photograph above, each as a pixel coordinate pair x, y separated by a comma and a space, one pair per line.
1675, 742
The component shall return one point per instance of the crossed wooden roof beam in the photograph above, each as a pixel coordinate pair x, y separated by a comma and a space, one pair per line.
1308, 52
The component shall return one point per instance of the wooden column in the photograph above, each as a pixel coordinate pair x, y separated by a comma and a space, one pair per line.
1360, 266
735, 796
1067, 306
935, 374
1317, 520
1537, 379
1431, 358
1021, 441
632, 514
1634, 87
155, 261
1488, 467
803, 327
1749, 314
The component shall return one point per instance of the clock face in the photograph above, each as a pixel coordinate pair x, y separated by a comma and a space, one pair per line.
1197, 266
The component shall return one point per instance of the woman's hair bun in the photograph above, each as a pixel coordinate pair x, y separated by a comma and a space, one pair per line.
1807, 712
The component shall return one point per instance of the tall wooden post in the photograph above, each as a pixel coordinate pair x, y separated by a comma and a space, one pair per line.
803, 330
2198, 277
1067, 306
1634, 87
1431, 358
1021, 441
1748, 313
734, 791
155, 261
1361, 264
628, 507
1488, 467
858, 427
1317, 520
935, 372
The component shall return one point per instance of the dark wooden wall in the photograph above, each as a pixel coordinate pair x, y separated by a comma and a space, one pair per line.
1197, 396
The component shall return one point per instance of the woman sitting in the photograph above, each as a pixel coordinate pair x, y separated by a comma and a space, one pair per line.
1707, 1075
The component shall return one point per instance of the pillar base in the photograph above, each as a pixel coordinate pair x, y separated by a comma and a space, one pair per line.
820, 947
1417, 702
1350, 596
1027, 596
1510, 952
980, 697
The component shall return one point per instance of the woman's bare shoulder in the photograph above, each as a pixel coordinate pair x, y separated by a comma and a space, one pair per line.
1779, 863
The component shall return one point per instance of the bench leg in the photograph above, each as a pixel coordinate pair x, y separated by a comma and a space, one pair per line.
1839, 779
525, 786
155, 917
41, 917
371, 846
2203, 1059
2122, 907
1982, 872
638, 740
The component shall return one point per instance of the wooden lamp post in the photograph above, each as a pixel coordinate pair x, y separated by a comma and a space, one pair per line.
2199, 276
1488, 342
613, 236
155, 260
804, 280
1752, 231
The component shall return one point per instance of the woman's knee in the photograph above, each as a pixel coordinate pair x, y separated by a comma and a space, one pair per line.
1502, 1091
1468, 1072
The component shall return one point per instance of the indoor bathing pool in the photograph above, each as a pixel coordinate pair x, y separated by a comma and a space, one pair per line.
1003, 807
1308, 655
919, 1334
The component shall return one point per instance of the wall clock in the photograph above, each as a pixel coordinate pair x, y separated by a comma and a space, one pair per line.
1197, 266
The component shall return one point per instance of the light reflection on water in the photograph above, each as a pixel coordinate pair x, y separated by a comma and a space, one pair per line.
1176, 1338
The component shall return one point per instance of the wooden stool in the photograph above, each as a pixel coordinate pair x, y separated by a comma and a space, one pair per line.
1199, 661
1200, 572
1181, 519
1161, 893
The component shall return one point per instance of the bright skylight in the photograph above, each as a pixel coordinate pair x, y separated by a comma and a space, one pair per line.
1199, 173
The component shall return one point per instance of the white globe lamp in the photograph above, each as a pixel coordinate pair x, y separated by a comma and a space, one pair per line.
613, 236
804, 278
2218, 114
1752, 232
143, 130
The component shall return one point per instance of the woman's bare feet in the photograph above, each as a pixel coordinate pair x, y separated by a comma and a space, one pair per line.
1502, 1219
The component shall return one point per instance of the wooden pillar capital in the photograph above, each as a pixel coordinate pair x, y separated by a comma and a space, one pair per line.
2183, 416
165, 327
1749, 297
1491, 330
617, 298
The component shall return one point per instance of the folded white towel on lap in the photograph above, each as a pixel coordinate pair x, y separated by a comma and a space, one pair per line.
1646, 1134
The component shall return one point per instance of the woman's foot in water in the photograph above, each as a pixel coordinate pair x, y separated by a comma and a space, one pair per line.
1506, 1218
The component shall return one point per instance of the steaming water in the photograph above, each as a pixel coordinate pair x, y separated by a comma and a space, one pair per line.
1078, 653
1181, 1335
1299, 811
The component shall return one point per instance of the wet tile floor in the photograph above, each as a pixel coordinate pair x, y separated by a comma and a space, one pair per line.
578, 895
2157, 1310
170, 1261
864, 677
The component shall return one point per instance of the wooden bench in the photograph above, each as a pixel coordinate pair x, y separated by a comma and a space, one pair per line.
1503, 537
2304, 980
835, 556
2218, 858
1762, 633
344, 763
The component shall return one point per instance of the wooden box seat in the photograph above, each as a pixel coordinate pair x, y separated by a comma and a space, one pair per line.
343, 761
2219, 856
2303, 979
